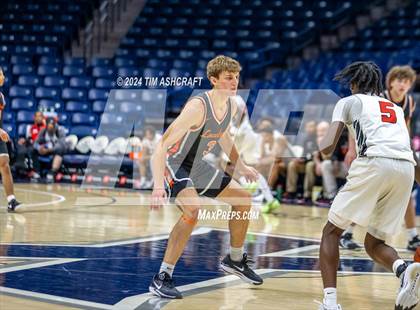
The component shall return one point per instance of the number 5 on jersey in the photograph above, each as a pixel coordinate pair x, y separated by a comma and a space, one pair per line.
388, 114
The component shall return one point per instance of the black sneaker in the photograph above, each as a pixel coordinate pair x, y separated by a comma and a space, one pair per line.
413, 244
347, 242
289, 198
241, 269
13, 205
305, 201
163, 286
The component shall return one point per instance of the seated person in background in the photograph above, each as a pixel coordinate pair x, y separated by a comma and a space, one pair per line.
247, 142
334, 167
51, 141
272, 148
27, 156
305, 165
149, 142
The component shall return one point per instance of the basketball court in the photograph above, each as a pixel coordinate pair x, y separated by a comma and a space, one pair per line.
74, 248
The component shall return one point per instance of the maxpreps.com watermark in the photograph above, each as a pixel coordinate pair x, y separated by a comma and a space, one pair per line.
227, 215
138, 81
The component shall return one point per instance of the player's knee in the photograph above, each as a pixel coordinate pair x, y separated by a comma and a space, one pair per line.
190, 215
371, 243
330, 229
4, 161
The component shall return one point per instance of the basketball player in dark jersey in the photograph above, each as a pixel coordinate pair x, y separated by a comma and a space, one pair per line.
6, 175
399, 81
178, 162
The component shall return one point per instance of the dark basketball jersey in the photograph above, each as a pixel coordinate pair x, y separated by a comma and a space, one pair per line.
2, 106
199, 142
408, 105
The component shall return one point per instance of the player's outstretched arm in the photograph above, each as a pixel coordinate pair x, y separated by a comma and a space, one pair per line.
191, 117
329, 142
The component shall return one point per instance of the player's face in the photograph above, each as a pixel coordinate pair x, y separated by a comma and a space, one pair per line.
401, 86
39, 118
227, 81
2, 78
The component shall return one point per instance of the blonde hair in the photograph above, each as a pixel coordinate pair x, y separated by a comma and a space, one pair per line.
222, 63
400, 72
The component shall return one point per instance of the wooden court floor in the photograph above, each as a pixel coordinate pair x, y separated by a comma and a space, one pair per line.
74, 248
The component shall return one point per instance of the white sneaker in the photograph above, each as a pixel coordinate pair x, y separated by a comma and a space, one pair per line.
322, 306
407, 297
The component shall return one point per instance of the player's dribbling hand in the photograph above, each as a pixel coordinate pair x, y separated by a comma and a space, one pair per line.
159, 197
4, 136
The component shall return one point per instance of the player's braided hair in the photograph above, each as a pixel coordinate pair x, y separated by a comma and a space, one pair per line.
366, 76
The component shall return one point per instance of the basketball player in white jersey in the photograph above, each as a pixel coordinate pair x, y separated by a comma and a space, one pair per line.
178, 163
378, 184
399, 81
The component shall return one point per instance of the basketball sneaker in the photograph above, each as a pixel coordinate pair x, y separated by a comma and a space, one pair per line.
164, 286
413, 244
271, 206
323, 306
13, 205
407, 297
241, 269
347, 242
251, 187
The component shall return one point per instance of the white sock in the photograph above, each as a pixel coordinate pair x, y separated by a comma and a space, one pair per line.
236, 254
168, 268
349, 230
411, 233
330, 296
10, 198
397, 264
266, 191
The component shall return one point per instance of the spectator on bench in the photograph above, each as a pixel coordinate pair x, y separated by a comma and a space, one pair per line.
27, 156
51, 141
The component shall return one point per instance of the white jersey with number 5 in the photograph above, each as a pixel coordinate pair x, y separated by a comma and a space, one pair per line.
377, 124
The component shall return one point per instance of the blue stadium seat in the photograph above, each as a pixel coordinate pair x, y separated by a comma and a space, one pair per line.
73, 71
98, 106
10, 129
9, 117
124, 62
22, 69
81, 82
19, 60
101, 62
63, 119
25, 117
104, 83
73, 94
83, 119
29, 80
130, 107
83, 131
23, 104
103, 72
48, 60
45, 104
48, 70
98, 94
75, 61
77, 106
47, 92
21, 91
129, 72
55, 81
22, 130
